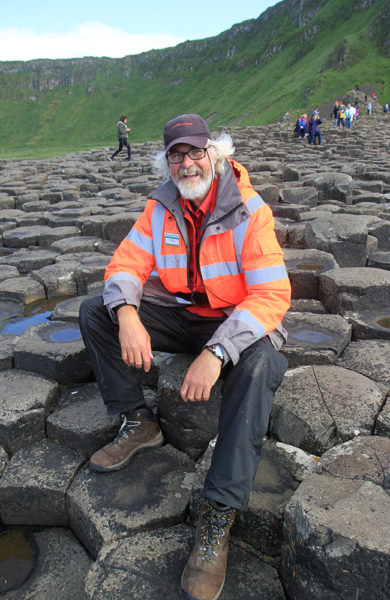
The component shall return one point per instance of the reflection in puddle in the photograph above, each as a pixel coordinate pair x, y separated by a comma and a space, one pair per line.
384, 322
310, 267
66, 335
310, 336
20, 326
16, 559
43, 305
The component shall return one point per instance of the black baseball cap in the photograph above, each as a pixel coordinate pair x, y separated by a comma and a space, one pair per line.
186, 129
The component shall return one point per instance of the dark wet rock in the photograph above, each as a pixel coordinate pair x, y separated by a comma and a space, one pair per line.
25, 400
55, 349
3, 460
22, 289
80, 420
344, 236
354, 289
314, 338
370, 358
304, 267
317, 407
188, 426
59, 566
103, 507
37, 476
163, 554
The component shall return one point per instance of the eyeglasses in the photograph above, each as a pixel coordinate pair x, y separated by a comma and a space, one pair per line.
176, 157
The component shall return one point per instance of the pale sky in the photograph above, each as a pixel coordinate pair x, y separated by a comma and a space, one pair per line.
76, 28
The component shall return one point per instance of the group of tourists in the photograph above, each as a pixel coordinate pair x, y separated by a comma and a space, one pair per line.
309, 129
345, 116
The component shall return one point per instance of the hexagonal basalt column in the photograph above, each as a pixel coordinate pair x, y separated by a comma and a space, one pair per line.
304, 268
33, 486
55, 349
151, 491
314, 339
337, 526
25, 400
80, 420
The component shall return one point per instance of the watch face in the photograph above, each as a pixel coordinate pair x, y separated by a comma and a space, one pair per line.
217, 349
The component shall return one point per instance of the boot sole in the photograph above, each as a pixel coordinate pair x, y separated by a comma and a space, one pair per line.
154, 443
186, 596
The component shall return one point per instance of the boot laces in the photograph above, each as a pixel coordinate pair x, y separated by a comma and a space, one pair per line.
213, 529
126, 428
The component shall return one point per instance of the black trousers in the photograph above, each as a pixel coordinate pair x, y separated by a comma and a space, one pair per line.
247, 392
123, 142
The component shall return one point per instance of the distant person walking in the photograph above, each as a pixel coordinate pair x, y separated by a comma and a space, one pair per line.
123, 138
369, 108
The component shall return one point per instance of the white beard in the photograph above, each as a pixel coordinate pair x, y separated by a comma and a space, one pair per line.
190, 190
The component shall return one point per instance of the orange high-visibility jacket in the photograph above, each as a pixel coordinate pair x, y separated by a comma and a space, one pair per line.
241, 261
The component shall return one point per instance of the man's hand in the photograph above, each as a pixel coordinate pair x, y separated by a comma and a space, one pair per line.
200, 378
134, 339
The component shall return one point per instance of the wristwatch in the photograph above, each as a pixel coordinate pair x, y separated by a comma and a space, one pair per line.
217, 350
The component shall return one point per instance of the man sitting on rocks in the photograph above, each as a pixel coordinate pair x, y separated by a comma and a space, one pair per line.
201, 271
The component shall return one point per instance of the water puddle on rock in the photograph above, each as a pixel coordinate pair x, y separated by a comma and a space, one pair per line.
34, 313
310, 267
308, 336
17, 559
385, 322
66, 335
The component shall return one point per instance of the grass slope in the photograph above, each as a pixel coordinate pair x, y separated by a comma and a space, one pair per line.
249, 75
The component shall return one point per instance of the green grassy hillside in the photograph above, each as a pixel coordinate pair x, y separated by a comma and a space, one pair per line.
294, 56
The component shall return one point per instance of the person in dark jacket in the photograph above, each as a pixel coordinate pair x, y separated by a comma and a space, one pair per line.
123, 138
314, 130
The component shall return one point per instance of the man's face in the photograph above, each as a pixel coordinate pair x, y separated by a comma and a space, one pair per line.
193, 177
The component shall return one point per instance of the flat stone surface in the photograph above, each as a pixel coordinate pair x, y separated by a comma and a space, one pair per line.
337, 540
58, 280
8, 272
317, 407
22, 237
152, 491
6, 352
314, 338
60, 565
150, 565
33, 486
370, 358
55, 349
25, 400
355, 289
189, 426
80, 420
334, 186
75, 244
366, 458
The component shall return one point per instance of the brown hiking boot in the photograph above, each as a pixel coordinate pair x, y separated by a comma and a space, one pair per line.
134, 435
204, 573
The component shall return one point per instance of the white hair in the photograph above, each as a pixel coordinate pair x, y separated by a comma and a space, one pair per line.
222, 147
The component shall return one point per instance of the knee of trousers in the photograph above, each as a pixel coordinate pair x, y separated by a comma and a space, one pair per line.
263, 363
89, 310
